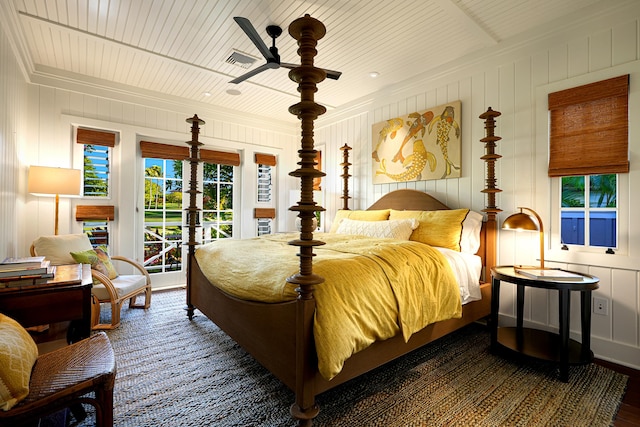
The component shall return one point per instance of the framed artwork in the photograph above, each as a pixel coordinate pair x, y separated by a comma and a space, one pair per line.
420, 146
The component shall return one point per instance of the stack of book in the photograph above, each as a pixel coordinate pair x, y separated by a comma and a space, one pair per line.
25, 271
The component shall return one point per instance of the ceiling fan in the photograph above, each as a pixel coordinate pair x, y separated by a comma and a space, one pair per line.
270, 54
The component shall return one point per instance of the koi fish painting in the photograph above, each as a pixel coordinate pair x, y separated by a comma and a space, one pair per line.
420, 146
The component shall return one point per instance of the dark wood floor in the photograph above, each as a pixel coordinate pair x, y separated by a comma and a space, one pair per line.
629, 412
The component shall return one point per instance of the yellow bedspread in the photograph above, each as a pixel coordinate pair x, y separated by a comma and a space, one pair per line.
373, 289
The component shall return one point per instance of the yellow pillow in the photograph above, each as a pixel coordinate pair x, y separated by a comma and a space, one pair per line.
441, 228
18, 353
376, 215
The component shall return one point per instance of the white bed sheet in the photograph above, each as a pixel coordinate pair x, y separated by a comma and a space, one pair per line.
467, 268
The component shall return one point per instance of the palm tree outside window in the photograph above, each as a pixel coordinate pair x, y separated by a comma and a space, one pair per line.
589, 211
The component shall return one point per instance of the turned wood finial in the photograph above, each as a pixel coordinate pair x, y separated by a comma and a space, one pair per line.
490, 158
345, 176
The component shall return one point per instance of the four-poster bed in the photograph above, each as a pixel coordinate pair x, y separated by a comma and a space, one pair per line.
280, 335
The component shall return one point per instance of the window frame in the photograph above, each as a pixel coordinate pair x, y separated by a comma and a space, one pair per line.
109, 173
163, 266
588, 210
234, 211
79, 157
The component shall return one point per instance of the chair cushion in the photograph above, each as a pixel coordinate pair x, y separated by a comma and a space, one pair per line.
18, 353
57, 249
99, 260
125, 283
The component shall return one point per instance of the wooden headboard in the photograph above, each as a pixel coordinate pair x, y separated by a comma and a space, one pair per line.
408, 200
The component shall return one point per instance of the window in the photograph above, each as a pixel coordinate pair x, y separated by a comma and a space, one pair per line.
96, 160
217, 202
95, 222
264, 215
96, 171
98, 232
264, 183
264, 226
162, 215
164, 231
588, 212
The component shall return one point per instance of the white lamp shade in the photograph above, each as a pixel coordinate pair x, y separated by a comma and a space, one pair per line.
50, 180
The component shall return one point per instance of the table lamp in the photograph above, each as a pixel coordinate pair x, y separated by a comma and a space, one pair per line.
522, 221
46, 181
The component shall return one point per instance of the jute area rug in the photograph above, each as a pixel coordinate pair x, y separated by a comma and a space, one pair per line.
176, 372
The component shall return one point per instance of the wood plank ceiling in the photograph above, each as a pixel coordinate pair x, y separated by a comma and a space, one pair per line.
177, 49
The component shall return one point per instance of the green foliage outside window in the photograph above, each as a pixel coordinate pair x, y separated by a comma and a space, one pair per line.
96, 171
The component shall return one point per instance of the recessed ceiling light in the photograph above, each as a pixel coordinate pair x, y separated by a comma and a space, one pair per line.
374, 74
234, 92
206, 93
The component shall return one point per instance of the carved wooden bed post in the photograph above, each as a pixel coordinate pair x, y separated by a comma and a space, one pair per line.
307, 31
490, 158
192, 210
345, 176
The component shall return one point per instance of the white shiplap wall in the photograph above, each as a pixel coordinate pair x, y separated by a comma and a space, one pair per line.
12, 184
512, 83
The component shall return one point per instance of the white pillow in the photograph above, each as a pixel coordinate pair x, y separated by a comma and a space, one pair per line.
57, 249
470, 237
400, 229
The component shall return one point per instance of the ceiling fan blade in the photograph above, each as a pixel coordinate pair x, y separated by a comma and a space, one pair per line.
253, 35
253, 72
335, 75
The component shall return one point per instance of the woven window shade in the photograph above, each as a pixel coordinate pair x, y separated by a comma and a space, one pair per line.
264, 213
95, 137
86, 212
173, 152
265, 159
589, 129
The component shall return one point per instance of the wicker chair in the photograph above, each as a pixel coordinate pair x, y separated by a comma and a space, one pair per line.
64, 378
109, 291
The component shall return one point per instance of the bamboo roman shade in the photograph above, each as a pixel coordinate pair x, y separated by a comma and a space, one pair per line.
173, 152
85, 213
589, 129
95, 137
265, 159
264, 213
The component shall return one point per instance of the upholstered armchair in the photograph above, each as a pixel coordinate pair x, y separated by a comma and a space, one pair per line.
109, 287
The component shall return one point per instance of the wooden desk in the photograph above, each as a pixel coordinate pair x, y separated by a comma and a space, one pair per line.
66, 297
